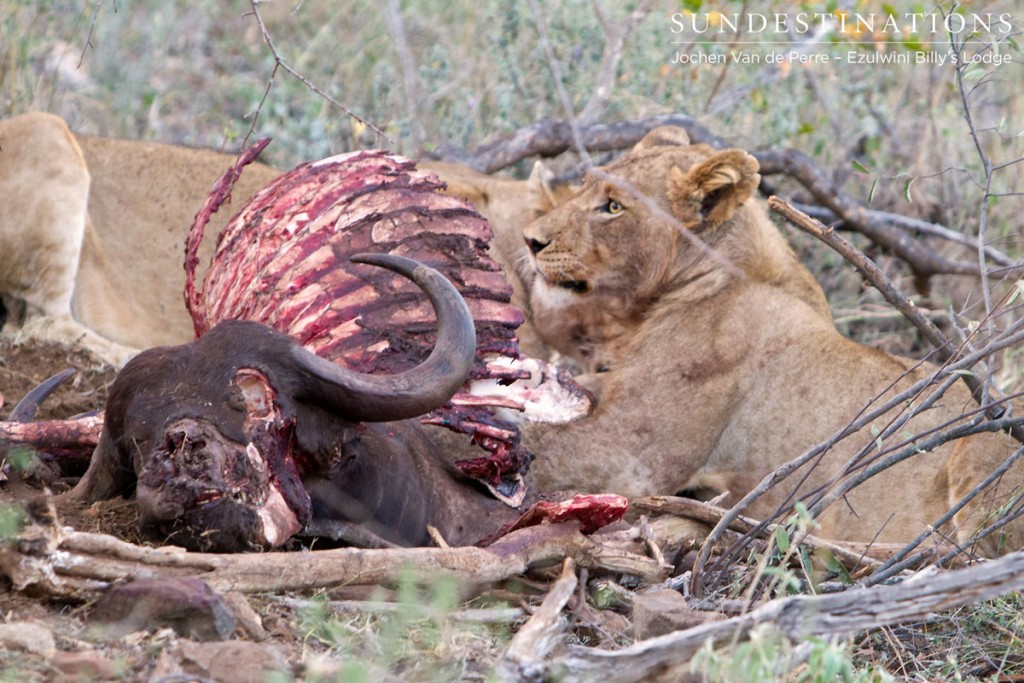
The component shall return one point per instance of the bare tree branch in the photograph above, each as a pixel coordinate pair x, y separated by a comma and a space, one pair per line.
910, 223
280, 63
797, 618
616, 33
943, 345
923, 261
552, 137
410, 79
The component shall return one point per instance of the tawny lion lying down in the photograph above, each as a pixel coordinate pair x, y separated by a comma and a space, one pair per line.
719, 359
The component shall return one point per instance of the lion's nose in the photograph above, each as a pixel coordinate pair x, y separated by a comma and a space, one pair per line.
535, 246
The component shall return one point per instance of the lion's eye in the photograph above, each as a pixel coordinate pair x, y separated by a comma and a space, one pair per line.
613, 207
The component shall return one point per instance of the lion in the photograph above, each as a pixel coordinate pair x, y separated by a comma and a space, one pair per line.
716, 361
92, 236
508, 205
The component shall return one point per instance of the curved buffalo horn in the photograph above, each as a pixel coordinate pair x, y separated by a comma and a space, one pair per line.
28, 406
380, 398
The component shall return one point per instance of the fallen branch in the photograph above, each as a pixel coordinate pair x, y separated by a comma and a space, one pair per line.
853, 556
68, 563
525, 655
798, 618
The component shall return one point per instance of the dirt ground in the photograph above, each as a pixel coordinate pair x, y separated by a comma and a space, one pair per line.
24, 365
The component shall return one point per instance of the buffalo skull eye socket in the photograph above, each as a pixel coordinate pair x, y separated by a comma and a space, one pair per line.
613, 207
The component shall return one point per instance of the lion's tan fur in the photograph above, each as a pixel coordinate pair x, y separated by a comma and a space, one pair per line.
92, 239
722, 362
44, 183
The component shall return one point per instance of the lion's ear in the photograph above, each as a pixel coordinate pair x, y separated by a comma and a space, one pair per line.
664, 135
709, 193
552, 193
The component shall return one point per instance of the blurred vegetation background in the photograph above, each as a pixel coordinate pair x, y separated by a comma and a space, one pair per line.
443, 77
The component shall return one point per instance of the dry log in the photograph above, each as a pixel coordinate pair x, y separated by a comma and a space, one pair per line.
68, 563
539, 636
798, 618
852, 555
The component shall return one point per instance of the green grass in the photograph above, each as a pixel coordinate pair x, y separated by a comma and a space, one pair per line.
982, 642
416, 640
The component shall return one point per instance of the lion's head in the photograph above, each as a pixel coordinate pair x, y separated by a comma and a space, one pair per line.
667, 219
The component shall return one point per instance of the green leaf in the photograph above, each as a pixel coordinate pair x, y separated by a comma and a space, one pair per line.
1018, 291
12, 520
857, 166
692, 5
877, 433
906, 189
782, 538
972, 71
786, 578
871, 192
835, 566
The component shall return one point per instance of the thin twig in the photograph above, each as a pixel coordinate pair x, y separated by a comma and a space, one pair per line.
92, 30
894, 564
616, 33
944, 347
556, 75
280, 63
1011, 337
956, 48
413, 89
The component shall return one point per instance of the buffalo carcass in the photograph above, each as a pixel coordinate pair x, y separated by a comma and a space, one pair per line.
243, 437
282, 260
239, 439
